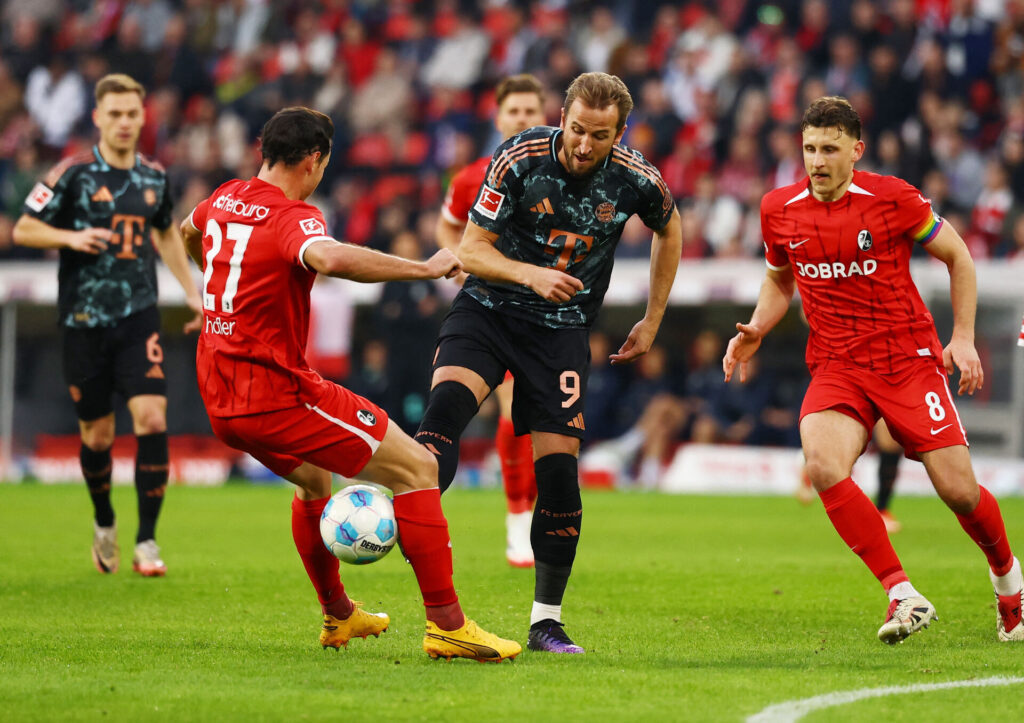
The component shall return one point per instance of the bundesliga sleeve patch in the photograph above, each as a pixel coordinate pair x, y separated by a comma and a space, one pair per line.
312, 226
489, 203
39, 197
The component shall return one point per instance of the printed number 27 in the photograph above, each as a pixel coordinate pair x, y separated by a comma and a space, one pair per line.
239, 233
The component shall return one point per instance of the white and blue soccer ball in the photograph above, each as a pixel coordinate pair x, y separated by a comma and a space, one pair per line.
358, 524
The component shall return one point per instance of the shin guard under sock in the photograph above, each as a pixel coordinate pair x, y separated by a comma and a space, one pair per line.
557, 521
151, 466
321, 566
96, 468
860, 525
985, 526
450, 408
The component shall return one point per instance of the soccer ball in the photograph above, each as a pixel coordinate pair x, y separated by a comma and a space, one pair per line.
358, 525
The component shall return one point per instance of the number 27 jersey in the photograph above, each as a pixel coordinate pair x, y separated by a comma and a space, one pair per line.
251, 352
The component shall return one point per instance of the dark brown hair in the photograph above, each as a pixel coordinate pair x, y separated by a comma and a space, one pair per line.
294, 133
523, 83
832, 111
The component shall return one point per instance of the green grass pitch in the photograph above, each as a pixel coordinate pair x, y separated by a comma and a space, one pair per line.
691, 608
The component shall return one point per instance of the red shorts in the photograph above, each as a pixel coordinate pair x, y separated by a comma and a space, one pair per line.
339, 433
916, 404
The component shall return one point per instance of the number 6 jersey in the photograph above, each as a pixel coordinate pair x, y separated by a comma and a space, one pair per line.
251, 352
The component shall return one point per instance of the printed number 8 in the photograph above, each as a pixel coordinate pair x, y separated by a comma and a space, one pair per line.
935, 410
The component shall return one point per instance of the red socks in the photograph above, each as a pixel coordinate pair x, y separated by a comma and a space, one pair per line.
321, 566
860, 525
423, 531
985, 526
516, 454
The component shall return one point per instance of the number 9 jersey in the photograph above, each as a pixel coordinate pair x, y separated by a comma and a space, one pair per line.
251, 352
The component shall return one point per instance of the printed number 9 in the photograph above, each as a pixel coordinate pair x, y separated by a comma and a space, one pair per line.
570, 384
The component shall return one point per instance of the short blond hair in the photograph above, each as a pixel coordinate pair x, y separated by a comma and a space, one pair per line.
118, 83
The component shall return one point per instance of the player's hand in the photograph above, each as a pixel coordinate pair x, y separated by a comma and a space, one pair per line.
962, 355
741, 348
638, 343
90, 240
554, 285
196, 322
443, 263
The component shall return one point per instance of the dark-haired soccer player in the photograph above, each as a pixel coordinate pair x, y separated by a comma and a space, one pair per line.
106, 210
261, 246
520, 100
539, 249
844, 238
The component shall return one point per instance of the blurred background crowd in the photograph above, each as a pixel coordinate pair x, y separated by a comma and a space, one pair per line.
719, 86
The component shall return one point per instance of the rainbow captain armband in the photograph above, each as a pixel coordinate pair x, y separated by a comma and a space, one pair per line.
928, 230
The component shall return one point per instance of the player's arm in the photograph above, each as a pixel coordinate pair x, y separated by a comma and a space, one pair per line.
193, 241
356, 263
666, 249
169, 245
950, 249
772, 304
448, 235
481, 258
30, 231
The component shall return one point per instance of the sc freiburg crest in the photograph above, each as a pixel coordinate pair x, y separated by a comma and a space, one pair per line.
366, 417
864, 240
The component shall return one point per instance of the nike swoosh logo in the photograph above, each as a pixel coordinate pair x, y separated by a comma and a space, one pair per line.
936, 431
799, 243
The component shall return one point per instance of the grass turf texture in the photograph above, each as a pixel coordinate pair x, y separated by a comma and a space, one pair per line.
691, 608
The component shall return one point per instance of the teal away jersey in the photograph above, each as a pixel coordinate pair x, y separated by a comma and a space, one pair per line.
85, 192
546, 217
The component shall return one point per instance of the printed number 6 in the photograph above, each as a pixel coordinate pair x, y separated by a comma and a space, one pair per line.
570, 384
935, 410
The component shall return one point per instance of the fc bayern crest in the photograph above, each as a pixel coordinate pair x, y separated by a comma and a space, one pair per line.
864, 240
605, 212
366, 417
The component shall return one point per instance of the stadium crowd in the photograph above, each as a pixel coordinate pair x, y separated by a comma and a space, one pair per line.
719, 88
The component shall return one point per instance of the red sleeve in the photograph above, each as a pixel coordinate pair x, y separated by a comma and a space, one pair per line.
198, 216
297, 228
774, 254
462, 192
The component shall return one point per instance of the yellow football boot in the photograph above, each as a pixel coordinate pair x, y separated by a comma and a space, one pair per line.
469, 641
360, 624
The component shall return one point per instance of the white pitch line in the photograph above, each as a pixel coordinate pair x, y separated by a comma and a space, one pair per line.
794, 710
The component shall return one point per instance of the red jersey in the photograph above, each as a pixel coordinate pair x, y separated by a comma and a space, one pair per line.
463, 190
251, 352
851, 261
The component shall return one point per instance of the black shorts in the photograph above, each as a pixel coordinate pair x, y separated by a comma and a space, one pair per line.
550, 366
126, 357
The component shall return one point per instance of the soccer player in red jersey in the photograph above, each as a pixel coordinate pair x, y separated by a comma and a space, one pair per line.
844, 238
520, 100
260, 247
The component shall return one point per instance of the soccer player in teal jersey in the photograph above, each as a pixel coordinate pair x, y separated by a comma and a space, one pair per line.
539, 248
108, 211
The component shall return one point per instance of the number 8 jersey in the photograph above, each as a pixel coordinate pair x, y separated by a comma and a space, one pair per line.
251, 352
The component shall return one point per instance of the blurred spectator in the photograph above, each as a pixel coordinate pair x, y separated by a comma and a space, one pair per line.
988, 217
331, 315
55, 97
595, 41
458, 59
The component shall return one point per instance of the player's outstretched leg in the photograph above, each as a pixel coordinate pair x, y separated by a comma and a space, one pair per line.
96, 468
336, 632
151, 469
